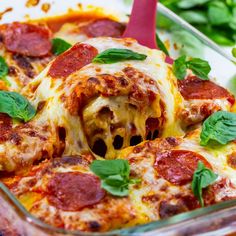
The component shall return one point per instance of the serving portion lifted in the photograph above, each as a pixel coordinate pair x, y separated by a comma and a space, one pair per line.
67, 137
86, 104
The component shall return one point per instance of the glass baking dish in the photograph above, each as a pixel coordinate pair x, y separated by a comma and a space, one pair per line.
219, 219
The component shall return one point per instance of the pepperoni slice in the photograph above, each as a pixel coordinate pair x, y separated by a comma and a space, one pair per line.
178, 166
74, 190
27, 39
195, 88
72, 60
104, 27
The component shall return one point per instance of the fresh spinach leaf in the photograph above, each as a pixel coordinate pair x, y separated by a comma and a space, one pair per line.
114, 55
220, 127
59, 46
114, 175
202, 178
16, 106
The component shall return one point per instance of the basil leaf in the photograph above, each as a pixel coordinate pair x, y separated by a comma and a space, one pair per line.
3, 67
202, 178
59, 46
163, 22
185, 4
4, 71
234, 52
104, 169
219, 13
194, 17
16, 106
114, 175
199, 67
180, 68
219, 127
161, 45
114, 55
215, 18
121, 190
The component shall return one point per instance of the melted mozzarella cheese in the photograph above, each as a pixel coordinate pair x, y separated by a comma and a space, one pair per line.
55, 112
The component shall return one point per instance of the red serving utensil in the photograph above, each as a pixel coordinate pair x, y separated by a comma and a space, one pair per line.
142, 24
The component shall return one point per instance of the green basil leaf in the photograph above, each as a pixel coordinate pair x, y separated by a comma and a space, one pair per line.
216, 19
115, 180
59, 46
3, 67
185, 4
163, 22
161, 45
114, 175
232, 24
180, 68
199, 67
120, 191
219, 13
4, 71
104, 169
220, 127
195, 17
16, 106
234, 52
222, 37
202, 178
114, 55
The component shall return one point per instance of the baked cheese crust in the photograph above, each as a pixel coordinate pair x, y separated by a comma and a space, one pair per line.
132, 110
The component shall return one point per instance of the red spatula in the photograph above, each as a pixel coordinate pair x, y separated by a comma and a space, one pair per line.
142, 24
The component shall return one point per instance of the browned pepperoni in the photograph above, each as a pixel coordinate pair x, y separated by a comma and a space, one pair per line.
5, 126
167, 210
195, 88
74, 190
231, 160
72, 60
178, 166
104, 27
152, 124
27, 39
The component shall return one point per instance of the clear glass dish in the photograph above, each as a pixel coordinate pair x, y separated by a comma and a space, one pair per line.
219, 219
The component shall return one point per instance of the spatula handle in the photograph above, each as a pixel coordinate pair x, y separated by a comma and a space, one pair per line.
142, 24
